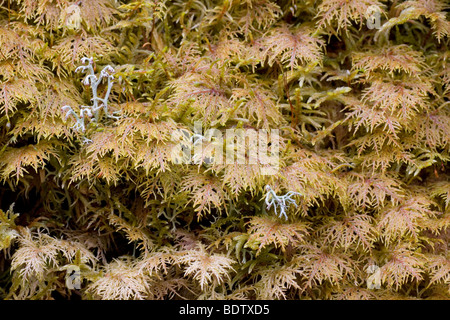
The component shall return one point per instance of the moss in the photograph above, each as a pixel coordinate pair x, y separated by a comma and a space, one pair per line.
346, 104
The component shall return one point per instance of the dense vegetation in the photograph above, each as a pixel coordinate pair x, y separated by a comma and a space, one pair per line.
91, 93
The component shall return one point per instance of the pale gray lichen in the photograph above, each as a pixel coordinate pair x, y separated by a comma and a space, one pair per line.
282, 202
92, 113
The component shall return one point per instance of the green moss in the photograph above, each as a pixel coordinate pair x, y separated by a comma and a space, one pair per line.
359, 111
